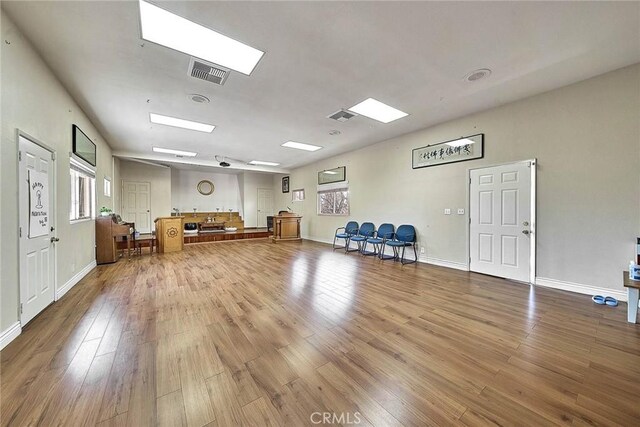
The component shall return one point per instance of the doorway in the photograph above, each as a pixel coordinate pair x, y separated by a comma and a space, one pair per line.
265, 206
136, 199
36, 210
502, 210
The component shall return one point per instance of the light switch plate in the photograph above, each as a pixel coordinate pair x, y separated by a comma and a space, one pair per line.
461, 211
447, 211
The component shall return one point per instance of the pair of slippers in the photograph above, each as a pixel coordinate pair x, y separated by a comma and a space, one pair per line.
599, 299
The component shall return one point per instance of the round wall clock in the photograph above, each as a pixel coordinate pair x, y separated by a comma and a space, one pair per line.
205, 187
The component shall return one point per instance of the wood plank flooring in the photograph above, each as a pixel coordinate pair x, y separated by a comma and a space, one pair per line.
252, 333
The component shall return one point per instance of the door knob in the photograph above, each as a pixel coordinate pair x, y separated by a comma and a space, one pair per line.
525, 223
526, 232
54, 239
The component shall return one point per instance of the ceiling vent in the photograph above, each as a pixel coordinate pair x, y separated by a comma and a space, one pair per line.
209, 72
477, 75
342, 115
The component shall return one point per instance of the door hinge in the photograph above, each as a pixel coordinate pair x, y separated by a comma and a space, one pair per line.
19, 231
19, 156
21, 308
53, 156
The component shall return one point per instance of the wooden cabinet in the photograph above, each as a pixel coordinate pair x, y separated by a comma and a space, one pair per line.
286, 227
169, 233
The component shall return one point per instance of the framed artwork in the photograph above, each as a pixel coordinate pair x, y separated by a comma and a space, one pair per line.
453, 151
83, 147
329, 176
285, 184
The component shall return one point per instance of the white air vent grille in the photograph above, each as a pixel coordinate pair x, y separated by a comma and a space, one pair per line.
208, 72
341, 115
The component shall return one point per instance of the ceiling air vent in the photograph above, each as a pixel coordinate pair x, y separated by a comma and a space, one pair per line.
342, 115
209, 72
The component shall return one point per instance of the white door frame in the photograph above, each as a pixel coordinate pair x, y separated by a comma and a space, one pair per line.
533, 226
54, 222
122, 191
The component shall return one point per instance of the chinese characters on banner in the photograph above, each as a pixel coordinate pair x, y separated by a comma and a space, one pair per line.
467, 148
38, 204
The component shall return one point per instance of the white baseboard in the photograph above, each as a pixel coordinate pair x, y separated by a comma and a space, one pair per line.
75, 279
444, 263
580, 288
10, 334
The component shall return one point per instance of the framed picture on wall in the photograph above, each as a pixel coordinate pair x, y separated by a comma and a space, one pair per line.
456, 150
285, 184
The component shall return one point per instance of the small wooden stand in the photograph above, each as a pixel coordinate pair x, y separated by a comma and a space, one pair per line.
286, 228
169, 233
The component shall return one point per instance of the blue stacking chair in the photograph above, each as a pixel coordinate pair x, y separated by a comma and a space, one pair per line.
404, 236
350, 230
367, 229
385, 231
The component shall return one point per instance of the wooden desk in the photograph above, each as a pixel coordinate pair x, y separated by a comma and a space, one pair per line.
633, 294
169, 234
286, 227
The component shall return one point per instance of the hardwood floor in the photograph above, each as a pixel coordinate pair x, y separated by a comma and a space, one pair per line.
252, 333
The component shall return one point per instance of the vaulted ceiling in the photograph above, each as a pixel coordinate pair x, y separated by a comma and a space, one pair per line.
320, 57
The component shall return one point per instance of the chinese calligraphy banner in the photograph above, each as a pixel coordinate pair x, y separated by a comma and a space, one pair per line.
457, 150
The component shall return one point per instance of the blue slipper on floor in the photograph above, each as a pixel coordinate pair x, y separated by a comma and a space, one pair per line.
598, 299
611, 301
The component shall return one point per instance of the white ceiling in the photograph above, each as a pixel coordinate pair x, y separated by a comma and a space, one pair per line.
320, 57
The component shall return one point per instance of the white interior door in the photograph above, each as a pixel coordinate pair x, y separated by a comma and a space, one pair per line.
265, 206
501, 221
136, 200
36, 167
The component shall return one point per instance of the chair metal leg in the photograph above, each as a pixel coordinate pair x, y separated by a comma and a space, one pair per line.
364, 249
382, 256
415, 256
348, 248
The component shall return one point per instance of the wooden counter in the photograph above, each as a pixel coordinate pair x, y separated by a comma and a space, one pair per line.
169, 233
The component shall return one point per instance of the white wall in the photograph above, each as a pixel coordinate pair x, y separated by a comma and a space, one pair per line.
251, 182
35, 102
586, 138
185, 195
159, 178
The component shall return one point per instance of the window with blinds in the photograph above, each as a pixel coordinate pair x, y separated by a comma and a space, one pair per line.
83, 182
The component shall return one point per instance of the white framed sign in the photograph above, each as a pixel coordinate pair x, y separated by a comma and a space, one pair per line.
38, 204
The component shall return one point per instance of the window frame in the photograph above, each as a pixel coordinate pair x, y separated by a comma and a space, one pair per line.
78, 169
294, 192
106, 186
334, 189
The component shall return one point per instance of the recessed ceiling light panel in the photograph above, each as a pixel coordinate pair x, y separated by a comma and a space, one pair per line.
180, 123
377, 110
301, 146
176, 152
172, 31
261, 163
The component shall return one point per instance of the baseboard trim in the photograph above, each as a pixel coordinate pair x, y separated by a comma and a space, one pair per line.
10, 334
444, 263
580, 288
75, 279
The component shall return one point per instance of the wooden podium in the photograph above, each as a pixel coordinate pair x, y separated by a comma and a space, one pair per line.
169, 233
286, 227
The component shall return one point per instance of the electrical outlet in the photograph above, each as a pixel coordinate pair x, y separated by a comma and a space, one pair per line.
422, 250
460, 211
447, 211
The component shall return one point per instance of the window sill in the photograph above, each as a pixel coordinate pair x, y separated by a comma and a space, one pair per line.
78, 221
